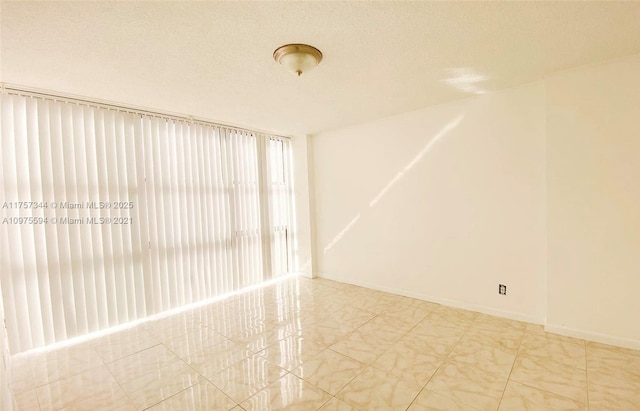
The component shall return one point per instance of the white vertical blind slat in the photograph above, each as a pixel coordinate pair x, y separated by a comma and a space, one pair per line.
82, 121
241, 195
72, 269
177, 273
106, 282
219, 210
54, 243
208, 224
192, 288
256, 253
63, 185
173, 233
140, 214
229, 271
93, 242
195, 230
35, 257
176, 215
133, 186
104, 274
13, 285
162, 186
48, 263
130, 231
117, 236
187, 214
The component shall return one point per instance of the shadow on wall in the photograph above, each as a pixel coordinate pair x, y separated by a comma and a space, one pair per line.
419, 157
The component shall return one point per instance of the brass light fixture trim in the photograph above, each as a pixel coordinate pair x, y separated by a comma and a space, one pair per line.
298, 58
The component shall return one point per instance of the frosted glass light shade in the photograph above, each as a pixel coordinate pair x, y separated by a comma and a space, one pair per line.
298, 58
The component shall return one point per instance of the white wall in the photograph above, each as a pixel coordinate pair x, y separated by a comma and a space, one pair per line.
304, 242
443, 203
446, 202
593, 139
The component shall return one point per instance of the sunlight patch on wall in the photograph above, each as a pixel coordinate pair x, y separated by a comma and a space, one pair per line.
341, 234
444, 131
437, 137
466, 80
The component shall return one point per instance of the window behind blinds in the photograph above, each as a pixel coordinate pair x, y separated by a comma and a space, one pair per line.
112, 215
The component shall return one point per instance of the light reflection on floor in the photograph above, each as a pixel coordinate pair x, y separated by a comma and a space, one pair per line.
318, 344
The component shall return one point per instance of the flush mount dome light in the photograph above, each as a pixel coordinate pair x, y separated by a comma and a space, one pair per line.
298, 58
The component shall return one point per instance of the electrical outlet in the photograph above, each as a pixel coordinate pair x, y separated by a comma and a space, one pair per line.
502, 289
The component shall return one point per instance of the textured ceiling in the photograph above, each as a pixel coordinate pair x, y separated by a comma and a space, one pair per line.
213, 59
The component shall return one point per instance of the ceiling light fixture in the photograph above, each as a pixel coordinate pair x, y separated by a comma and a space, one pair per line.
298, 58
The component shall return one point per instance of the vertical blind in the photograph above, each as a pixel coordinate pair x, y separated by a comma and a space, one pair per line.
110, 215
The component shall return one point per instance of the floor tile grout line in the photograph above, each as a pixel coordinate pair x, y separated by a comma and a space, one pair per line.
393, 345
178, 358
546, 391
217, 372
257, 392
32, 385
315, 386
560, 364
120, 385
586, 370
36, 386
189, 387
511, 370
356, 376
172, 395
129, 355
371, 364
37, 398
325, 402
557, 363
75, 375
443, 361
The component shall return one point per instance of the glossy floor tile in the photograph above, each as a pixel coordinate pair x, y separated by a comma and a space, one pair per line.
432, 401
469, 384
375, 389
200, 397
523, 397
288, 392
303, 344
329, 370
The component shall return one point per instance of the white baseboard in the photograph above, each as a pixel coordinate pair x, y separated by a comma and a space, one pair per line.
593, 336
444, 301
552, 328
305, 274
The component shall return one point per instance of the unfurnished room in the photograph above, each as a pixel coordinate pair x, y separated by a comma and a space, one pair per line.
319, 205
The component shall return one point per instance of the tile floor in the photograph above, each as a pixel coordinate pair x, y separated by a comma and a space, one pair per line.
317, 344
